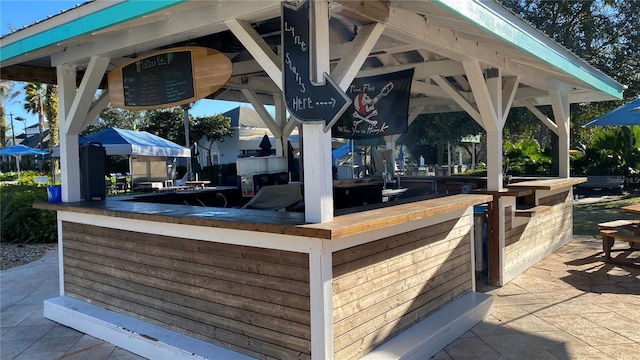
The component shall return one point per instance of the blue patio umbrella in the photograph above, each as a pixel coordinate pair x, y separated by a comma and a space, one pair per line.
626, 114
21, 150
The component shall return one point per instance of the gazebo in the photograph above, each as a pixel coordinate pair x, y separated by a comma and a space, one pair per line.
222, 283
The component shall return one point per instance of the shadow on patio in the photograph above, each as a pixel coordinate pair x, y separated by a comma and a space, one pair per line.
570, 305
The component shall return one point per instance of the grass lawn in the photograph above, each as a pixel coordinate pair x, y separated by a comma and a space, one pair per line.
587, 215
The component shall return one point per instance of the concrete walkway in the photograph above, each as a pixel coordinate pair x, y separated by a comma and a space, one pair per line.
569, 306
27, 335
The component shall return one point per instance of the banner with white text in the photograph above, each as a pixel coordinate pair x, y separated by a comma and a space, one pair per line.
380, 107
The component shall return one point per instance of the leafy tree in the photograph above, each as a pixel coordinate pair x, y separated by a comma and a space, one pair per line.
213, 128
603, 32
34, 97
118, 118
51, 113
610, 153
429, 134
526, 157
167, 123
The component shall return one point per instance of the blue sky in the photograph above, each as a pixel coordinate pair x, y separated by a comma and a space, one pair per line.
17, 14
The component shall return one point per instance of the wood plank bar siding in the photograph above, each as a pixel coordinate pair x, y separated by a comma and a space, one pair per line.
383, 287
243, 280
541, 232
251, 300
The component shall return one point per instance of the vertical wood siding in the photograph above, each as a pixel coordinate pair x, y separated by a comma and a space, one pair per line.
251, 300
386, 286
541, 232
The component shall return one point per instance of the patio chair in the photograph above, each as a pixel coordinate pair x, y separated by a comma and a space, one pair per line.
182, 182
109, 186
121, 183
276, 197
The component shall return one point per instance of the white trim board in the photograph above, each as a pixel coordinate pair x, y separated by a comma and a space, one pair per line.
136, 336
431, 335
421, 341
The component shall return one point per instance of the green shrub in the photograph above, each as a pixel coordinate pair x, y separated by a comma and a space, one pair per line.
526, 158
19, 221
610, 153
8, 176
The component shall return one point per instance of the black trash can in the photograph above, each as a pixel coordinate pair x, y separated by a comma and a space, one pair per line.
93, 157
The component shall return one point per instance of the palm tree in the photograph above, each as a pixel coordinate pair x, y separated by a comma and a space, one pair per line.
8, 95
51, 113
34, 97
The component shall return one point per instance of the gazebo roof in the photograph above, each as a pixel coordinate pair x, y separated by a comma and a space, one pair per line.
434, 37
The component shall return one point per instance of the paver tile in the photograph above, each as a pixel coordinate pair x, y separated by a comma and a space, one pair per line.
89, 347
470, 346
121, 354
517, 347
621, 351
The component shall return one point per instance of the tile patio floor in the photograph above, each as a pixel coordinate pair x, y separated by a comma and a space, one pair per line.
569, 306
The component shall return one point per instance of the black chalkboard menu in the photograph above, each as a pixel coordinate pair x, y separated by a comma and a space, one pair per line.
158, 79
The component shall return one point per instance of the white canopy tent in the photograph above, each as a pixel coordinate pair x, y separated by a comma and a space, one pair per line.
148, 154
130, 142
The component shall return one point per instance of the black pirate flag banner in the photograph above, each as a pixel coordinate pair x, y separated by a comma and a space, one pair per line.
380, 107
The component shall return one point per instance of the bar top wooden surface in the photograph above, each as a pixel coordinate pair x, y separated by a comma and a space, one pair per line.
549, 184
632, 209
288, 223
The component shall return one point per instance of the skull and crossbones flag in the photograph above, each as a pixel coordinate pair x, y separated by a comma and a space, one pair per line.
380, 107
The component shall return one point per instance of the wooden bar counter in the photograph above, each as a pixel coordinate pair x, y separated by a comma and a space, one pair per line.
174, 281
527, 222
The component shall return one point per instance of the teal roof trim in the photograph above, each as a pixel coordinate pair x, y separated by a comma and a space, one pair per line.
101, 19
486, 19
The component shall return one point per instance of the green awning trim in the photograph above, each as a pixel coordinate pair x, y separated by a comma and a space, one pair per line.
101, 19
484, 18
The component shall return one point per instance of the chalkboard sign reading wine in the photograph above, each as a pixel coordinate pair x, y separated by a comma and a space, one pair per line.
168, 78
306, 101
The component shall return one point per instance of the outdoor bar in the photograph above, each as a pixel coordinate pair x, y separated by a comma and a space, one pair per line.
365, 281
268, 284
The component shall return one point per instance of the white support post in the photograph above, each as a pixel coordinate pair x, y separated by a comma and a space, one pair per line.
318, 182
490, 97
560, 106
321, 293
93, 115
494, 168
69, 151
85, 94
494, 85
318, 189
